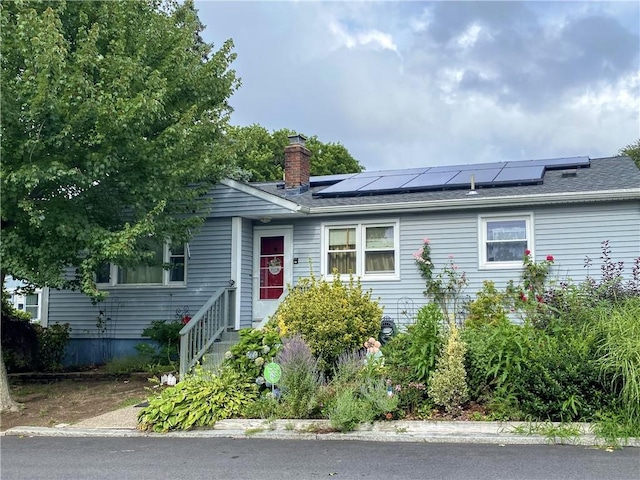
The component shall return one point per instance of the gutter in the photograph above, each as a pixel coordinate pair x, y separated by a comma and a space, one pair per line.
477, 202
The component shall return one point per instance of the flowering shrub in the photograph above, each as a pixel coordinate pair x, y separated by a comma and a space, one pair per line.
423, 260
446, 288
529, 297
332, 317
255, 349
612, 285
300, 379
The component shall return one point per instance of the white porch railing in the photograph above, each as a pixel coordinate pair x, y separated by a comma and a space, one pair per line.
206, 326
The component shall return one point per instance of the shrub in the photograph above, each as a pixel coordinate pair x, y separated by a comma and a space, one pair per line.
199, 400
612, 285
544, 373
528, 297
300, 378
254, 350
28, 346
488, 308
349, 410
52, 342
333, 317
167, 336
360, 393
425, 342
410, 357
448, 386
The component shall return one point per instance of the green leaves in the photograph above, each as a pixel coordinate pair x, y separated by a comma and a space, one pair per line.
333, 317
199, 400
113, 113
259, 154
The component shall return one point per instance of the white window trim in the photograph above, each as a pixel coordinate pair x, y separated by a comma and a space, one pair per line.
166, 274
18, 299
483, 264
360, 250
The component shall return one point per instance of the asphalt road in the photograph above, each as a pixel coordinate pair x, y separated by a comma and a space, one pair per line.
54, 458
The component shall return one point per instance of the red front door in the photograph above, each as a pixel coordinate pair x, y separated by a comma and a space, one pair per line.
271, 267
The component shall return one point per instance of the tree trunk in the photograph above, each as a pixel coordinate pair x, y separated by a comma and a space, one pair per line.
6, 402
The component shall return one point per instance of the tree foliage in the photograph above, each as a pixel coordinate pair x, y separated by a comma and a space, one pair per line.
632, 150
113, 115
260, 153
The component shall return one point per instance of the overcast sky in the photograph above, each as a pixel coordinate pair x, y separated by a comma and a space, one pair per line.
411, 84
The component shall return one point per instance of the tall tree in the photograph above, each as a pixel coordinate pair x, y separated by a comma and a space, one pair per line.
632, 150
112, 129
261, 154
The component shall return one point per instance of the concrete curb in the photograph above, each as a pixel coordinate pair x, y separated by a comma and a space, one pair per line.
496, 433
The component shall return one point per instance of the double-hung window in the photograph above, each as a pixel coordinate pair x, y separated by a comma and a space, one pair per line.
29, 302
504, 239
368, 250
166, 265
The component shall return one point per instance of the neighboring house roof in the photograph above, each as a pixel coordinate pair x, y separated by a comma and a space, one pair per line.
612, 178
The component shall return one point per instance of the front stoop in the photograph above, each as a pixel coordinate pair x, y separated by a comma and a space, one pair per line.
214, 358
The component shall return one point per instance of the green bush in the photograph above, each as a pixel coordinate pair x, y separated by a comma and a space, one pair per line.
52, 342
489, 306
28, 346
199, 400
358, 393
333, 317
547, 374
410, 357
167, 336
254, 350
348, 410
448, 385
425, 342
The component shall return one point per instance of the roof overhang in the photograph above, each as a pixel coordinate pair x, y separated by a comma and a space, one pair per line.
478, 201
267, 197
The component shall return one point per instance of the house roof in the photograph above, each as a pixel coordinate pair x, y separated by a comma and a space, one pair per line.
611, 178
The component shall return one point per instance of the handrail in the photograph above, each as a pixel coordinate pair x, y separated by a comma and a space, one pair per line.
205, 327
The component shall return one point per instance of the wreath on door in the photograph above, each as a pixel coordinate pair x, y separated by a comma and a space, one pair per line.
275, 266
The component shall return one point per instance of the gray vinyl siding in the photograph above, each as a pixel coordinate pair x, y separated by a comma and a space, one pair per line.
131, 309
567, 232
246, 299
570, 234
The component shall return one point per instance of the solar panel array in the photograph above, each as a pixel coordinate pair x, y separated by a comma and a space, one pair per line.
522, 172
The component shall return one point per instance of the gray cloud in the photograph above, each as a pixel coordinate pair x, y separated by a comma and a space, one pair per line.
418, 83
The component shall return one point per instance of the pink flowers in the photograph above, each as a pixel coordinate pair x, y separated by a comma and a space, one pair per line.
549, 258
426, 241
527, 252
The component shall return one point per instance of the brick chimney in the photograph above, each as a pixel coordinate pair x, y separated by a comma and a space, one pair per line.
296, 166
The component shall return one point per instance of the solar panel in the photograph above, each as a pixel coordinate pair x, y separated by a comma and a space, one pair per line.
481, 177
430, 180
391, 182
552, 163
319, 180
532, 173
446, 177
350, 185
385, 173
460, 168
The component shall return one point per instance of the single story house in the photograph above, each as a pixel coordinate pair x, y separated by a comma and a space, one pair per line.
261, 237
